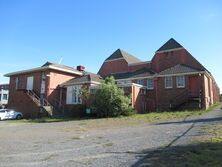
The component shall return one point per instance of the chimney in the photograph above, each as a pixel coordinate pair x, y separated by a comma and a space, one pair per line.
80, 68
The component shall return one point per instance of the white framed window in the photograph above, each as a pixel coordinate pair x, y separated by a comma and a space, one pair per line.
140, 81
180, 80
74, 95
150, 84
168, 82
5, 97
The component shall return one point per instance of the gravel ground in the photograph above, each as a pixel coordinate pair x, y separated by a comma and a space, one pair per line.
70, 144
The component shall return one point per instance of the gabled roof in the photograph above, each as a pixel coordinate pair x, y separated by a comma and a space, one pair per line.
170, 44
87, 78
179, 68
46, 66
144, 72
119, 53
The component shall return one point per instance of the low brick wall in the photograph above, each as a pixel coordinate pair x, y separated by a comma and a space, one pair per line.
77, 110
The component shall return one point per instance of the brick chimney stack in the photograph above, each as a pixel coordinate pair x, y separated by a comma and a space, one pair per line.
80, 68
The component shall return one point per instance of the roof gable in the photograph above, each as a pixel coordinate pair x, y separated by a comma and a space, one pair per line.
119, 53
87, 78
170, 44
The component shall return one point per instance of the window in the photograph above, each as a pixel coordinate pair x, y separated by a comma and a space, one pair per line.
168, 82
150, 83
16, 83
140, 81
5, 97
180, 81
76, 95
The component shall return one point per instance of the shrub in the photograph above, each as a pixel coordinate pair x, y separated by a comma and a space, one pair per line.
110, 100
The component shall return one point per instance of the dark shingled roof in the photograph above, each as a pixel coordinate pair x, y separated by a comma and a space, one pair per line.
85, 78
144, 72
170, 44
122, 54
179, 68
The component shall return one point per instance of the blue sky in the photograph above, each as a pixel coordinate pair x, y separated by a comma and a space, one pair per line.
87, 31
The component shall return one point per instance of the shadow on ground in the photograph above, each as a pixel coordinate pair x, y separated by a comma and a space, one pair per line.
204, 120
198, 155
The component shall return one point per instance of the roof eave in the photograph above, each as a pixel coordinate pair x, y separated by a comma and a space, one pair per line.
26, 71
42, 69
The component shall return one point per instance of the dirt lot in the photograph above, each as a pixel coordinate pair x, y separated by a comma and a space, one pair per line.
76, 143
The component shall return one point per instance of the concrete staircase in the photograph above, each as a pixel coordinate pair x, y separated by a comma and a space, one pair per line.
185, 101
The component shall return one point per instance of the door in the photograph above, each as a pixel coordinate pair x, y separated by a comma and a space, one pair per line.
194, 86
43, 81
29, 85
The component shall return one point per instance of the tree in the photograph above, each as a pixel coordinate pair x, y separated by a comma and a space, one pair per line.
110, 100
85, 94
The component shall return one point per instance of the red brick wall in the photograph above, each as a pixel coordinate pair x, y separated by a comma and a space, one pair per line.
162, 61
15, 101
19, 101
56, 78
23, 81
164, 96
110, 67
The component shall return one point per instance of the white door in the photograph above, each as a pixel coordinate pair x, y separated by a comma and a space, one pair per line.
29, 85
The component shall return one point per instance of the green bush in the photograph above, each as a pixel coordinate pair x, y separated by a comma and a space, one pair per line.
110, 100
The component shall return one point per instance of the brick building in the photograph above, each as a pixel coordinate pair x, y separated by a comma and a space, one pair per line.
36, 92
172, 79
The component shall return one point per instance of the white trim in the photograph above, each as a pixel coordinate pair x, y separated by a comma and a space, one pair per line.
114, 59
169, 50
130, 84
148, 77
42, 69
159, 75
80, 83
26, 71
188, 73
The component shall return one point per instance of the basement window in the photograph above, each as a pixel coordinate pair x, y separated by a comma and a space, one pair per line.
180, 81
168, 82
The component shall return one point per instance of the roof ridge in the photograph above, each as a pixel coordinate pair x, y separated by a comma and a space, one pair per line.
120, 53
170, 44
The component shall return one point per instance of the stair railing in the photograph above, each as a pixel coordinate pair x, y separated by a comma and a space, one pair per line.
179, 99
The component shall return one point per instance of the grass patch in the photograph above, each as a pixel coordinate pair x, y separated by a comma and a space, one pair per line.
152, 117
204, 154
